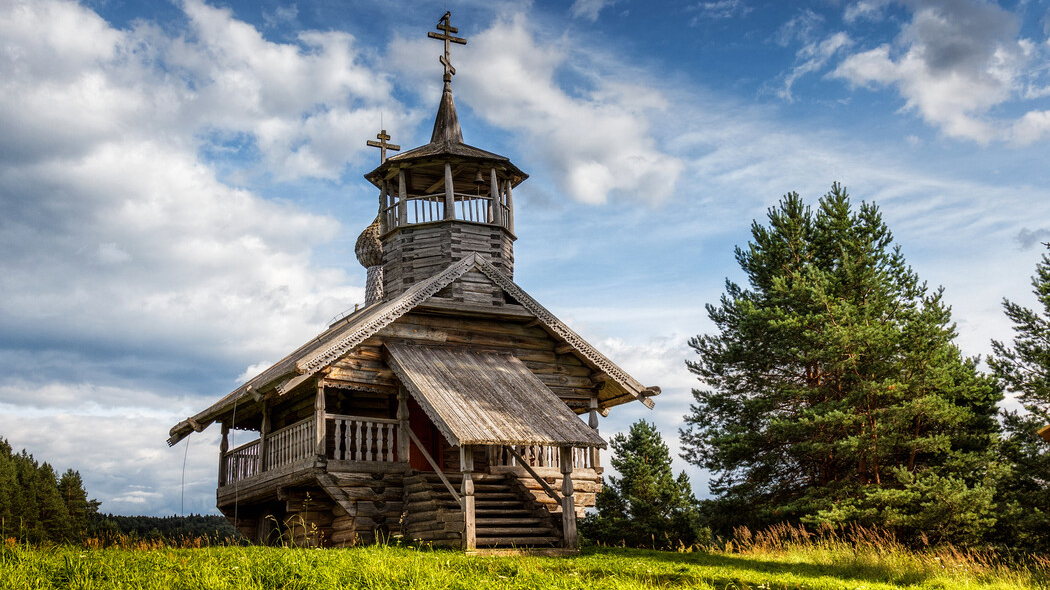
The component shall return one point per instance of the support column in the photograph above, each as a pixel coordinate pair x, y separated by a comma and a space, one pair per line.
402, 199
592, 421
264, 435
403, 440
466, 467
224, 447
450, 197
319, 419
496, 200
384, 198
568, 503
510, 207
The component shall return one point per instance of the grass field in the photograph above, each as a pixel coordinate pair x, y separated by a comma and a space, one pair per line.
750, 564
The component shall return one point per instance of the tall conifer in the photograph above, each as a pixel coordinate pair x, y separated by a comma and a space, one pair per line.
1023, 367
834, 392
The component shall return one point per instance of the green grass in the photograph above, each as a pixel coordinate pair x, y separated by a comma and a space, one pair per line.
797, 565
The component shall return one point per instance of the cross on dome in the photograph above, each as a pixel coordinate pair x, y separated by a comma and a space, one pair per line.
383, 145
447, 30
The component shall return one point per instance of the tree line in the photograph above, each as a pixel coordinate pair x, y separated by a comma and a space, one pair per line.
37, 506
833, 394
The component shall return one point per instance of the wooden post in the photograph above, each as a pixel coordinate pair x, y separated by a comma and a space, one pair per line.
450, 197
403, 426
264, 434
319, 419
402, 199
592, 421
224, 446
466, 467
384, 194
568, 503
497, 202
510, 207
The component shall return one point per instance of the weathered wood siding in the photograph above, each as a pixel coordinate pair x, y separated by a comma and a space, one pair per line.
415, 253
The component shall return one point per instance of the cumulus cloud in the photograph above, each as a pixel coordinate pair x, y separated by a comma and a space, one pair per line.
597, 141
112, 222
130, 265
953, 62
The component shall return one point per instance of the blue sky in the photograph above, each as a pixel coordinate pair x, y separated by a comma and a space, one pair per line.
180, 182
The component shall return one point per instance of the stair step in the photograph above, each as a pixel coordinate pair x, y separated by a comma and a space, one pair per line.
515, 512
532, 521
513, 531
517, 541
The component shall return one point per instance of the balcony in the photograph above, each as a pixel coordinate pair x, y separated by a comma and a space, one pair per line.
348, 440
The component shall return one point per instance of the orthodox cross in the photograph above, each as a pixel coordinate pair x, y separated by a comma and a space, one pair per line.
383, 145
446, 35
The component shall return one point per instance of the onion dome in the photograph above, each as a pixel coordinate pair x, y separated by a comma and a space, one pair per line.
369, 248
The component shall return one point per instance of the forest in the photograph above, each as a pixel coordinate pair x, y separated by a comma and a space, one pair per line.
39, 507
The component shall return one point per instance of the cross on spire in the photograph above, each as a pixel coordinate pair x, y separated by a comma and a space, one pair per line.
383, 145
447, 30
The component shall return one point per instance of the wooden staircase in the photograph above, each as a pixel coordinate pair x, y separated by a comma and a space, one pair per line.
507, 517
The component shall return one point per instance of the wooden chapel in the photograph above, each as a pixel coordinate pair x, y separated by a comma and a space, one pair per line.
448, 409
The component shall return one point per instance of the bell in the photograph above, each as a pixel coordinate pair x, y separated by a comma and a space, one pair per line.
478, 179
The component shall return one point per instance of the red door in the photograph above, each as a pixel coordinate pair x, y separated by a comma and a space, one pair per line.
426, 433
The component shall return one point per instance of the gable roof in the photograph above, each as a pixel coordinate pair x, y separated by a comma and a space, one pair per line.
343, 336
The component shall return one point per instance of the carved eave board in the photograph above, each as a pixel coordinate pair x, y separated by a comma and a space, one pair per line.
342, 337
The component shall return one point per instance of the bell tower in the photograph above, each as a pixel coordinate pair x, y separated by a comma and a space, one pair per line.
444, 200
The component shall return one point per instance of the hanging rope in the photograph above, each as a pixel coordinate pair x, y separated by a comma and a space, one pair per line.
233, 443
185, 454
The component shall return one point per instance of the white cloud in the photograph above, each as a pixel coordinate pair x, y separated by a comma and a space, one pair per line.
590, 9
120, 459
720, 9
953, 63
802, 27
813, 57
598, 141
865, 9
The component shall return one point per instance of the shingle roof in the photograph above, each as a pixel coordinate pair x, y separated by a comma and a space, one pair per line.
478, 398
343, 336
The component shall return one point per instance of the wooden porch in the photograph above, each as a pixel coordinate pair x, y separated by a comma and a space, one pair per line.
487, 498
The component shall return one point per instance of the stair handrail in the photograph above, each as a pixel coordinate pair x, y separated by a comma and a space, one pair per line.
441, 474
546, 487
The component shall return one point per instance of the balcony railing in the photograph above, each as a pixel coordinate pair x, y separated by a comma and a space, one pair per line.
290, 444
240, 463
429, 208
544, 456
354, 438
357, 438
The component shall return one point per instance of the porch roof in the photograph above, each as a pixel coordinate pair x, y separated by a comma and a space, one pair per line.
482, 398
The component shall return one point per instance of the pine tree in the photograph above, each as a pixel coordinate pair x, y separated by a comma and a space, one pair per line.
646, 506
834, 391
1024, 370
81, 511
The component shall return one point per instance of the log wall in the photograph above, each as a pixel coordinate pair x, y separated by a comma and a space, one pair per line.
415, 253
